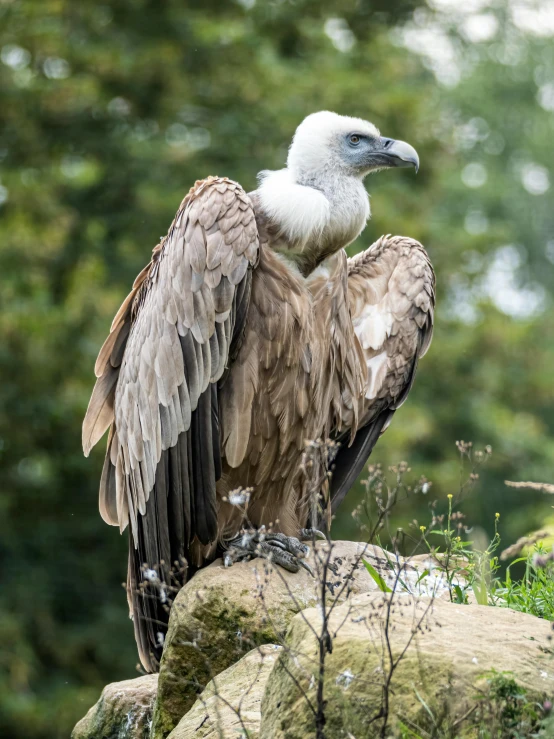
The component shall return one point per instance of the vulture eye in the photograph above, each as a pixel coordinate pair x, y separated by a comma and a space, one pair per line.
354, 139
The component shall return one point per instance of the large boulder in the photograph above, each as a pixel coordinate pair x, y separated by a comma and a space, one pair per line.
124, 710
223, 612
230, 704
443, 654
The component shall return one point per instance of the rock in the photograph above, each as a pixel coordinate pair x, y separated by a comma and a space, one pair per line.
123, 710
452, 649
223, 612
232, 701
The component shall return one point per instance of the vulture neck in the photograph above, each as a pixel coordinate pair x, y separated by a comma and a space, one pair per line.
308, 218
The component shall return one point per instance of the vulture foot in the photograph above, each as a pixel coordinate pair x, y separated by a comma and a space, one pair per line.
287, 551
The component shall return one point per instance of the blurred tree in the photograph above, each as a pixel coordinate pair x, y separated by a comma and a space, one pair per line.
110, 112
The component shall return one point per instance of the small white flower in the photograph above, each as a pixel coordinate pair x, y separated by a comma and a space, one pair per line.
239, 497
425, 488
475, 661
544, 674
160, 638
150, 575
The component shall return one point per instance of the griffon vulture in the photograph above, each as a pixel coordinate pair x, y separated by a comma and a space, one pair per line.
249, 333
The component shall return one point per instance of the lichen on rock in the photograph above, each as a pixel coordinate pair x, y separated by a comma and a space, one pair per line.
231, 703
123, 711
451, 649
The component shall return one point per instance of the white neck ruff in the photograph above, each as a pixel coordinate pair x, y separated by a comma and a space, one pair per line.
301, 212
304, 214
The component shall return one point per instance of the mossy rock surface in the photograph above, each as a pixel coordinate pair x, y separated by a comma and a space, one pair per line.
123, 711
452, 648
222, 613
231, 703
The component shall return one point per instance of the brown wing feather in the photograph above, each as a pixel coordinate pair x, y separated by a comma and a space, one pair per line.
268, 413
158, 386
342, 377
392, 298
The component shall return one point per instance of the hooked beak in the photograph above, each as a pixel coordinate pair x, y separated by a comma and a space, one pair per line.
398, 154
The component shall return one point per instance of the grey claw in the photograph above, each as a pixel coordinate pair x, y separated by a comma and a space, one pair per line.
306, 566
309, 534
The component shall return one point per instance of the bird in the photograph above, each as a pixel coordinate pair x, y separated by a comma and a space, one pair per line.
248, 334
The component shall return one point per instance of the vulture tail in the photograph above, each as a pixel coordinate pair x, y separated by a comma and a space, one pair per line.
149, 604
149, 617
158, 561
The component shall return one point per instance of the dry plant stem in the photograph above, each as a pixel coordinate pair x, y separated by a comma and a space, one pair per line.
521, 543
393, 663
542, 487
324, 647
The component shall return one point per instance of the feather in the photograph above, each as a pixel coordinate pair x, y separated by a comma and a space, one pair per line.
184, 400
217, 249
100, 411
165, 421
238, 272
106, 351
223, 296
191, 368
116, 356
212, 277
205, 514
196, 242
200, 327
107, 496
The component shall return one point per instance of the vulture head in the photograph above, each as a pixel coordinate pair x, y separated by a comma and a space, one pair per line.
327, 143
318, 203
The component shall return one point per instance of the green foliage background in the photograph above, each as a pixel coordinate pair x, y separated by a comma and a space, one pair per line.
109, 112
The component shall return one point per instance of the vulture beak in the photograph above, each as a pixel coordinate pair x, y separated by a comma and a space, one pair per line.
399, 153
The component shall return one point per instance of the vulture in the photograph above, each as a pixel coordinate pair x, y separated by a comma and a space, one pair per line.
248, 334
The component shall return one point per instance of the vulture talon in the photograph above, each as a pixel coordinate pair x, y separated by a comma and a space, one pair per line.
311, 534
286, 551
306, 566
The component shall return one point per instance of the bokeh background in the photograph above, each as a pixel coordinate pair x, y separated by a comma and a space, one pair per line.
109, 112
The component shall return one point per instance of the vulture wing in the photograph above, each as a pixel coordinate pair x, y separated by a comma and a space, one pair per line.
391, 293
157, 387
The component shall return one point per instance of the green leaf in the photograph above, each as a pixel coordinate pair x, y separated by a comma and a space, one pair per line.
480, 592
381, 584
459, 594
423, 574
